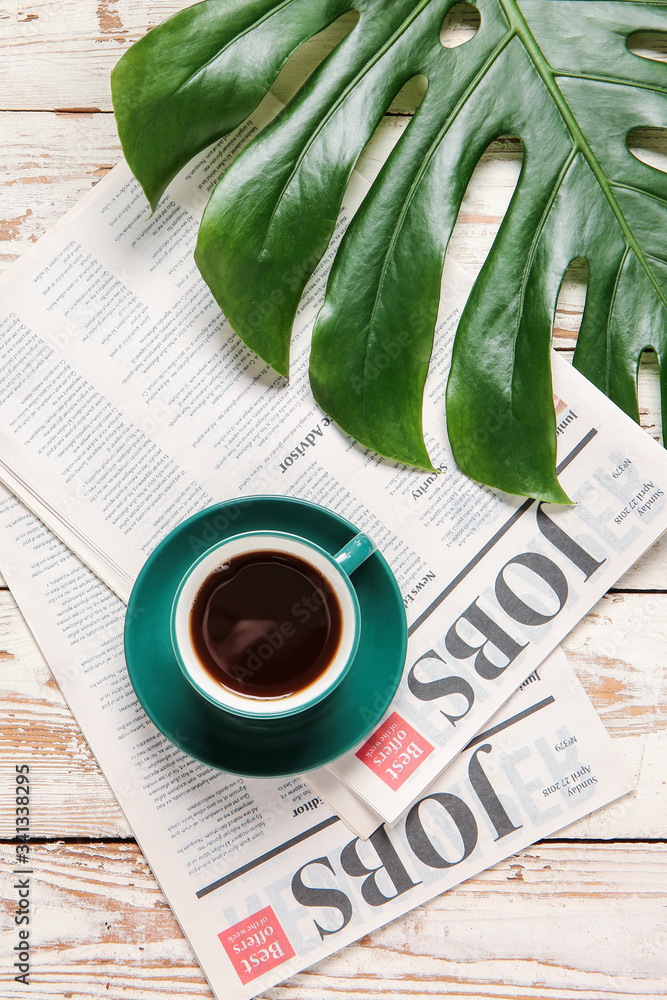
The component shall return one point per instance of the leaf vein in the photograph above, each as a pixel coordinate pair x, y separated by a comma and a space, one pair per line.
616, 81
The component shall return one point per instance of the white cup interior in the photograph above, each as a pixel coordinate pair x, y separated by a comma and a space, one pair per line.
247, 705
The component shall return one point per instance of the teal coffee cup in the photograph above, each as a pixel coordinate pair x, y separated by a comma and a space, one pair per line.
266, 624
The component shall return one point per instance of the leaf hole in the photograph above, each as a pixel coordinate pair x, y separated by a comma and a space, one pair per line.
648, 45
570, 303
462, 23
390, 129
302, 63
648, 145
410, 96
648, 392
485, 201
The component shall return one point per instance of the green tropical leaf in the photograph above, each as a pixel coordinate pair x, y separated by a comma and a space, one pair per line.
556, 73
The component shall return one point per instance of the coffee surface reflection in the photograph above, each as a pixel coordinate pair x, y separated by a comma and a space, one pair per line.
266, 624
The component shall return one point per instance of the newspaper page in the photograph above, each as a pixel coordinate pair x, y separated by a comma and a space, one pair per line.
127, 403
262, 877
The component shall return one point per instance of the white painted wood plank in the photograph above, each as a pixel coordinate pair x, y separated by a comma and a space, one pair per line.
47, 163
60, 53
621, 629
617, 651
555, 922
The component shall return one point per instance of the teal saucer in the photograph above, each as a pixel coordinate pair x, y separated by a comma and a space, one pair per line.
271, 747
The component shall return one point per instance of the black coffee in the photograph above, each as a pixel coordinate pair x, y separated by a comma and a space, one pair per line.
266, 624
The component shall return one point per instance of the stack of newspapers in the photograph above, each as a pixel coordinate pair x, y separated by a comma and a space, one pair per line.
128, 404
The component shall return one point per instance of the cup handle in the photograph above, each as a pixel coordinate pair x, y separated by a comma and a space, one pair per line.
357, 550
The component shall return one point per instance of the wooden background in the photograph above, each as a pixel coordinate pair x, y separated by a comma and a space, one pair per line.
583, 915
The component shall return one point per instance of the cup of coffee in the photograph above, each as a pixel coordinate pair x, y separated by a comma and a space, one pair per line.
266, 624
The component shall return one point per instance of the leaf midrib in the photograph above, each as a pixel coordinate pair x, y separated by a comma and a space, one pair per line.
519, 26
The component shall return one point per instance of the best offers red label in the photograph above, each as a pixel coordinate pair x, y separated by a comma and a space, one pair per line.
256, 945
394, 751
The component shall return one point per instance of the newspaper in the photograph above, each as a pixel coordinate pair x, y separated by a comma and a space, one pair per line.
262, 877
127, 403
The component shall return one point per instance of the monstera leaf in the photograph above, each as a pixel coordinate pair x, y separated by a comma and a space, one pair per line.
558, 74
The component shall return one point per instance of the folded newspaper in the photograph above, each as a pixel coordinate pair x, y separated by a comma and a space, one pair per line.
263, 879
